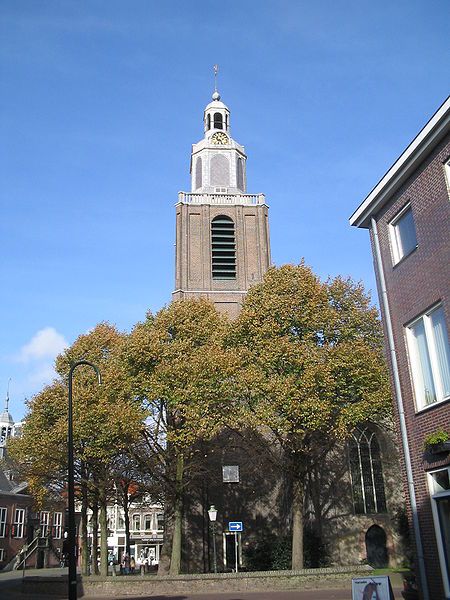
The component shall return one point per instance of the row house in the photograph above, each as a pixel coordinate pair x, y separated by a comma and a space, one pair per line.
408, 216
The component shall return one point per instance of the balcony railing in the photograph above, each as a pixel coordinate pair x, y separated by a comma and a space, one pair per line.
240, 199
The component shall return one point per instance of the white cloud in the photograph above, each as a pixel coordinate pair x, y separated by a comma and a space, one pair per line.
41, 376
46, 343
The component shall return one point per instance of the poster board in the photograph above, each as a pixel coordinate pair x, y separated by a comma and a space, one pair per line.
372, 588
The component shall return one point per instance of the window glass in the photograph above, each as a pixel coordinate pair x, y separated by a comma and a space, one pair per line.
442, 348
424, 374
366, 472
136, 522
160, 521
443, 506
44, 523
57, 522
147, 522
218, 121
2, 522
403, 234
430, 357
19, 518
441, 482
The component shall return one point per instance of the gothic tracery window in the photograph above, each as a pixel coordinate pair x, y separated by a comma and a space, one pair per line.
366, 472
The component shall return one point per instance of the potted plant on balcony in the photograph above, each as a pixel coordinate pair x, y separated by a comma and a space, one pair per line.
437, 442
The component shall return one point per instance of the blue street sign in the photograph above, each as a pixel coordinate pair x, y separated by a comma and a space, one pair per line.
235, 526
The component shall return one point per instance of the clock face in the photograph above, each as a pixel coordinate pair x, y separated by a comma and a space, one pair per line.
219, 138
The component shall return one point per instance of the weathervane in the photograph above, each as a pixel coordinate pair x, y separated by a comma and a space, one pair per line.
7, 396
216, 70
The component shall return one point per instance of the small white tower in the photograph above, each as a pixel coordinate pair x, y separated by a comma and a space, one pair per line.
6, 426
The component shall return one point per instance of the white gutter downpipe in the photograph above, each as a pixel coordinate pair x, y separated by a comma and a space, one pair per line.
401, 414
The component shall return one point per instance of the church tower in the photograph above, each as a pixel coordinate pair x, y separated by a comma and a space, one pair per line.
222, 232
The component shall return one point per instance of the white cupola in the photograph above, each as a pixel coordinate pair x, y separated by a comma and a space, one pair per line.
218, 163
216, 116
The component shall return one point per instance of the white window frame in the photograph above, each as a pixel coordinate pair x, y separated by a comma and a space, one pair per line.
57, 525
435, 496
416, 365
19, 521
148, 517
134, 519
3, 517
396, 245
44, 522
159, 513
447, 173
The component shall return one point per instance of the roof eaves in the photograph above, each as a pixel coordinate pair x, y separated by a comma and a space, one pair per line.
429, 135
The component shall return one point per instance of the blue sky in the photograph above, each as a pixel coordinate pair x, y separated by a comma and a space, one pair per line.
101, 101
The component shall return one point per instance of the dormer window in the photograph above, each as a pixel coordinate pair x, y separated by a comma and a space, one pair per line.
218, 121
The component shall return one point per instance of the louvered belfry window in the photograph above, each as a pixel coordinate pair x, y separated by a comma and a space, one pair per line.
223, 244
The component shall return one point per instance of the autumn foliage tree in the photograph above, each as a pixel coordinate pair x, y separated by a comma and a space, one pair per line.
182, 372
312, 369
106, 421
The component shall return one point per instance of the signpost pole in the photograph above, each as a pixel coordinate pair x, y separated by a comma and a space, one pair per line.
236, 549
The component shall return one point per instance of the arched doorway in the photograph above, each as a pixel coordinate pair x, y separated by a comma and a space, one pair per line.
377, 554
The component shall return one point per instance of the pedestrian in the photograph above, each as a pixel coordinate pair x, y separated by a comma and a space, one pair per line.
126, 564
145, 565
132, 565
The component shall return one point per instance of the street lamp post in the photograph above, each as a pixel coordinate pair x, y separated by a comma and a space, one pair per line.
212, 512
71, 485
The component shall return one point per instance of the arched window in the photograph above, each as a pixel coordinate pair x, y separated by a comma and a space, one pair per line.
198, 173
220, 170
240, 173
208, 121
218, 121
226, 122
223, 248
366, 472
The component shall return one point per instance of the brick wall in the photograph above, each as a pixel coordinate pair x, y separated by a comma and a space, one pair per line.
414, 284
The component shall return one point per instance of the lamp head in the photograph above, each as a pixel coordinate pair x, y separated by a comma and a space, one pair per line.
212, 512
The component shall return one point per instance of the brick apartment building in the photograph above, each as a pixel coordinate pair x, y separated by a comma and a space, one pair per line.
408, 215
36, 536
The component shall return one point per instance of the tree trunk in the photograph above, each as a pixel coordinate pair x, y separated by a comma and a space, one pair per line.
164, 556
297, 521
84, 529
126, 517
94, 549
104, 537
175, 559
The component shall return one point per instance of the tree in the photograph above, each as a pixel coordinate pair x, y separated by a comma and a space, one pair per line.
312, 369
106, 421
182, 373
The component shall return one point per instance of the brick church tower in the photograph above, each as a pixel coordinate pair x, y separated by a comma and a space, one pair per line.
222, 232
